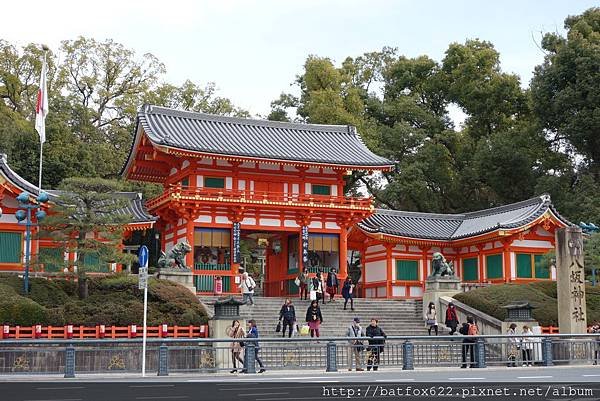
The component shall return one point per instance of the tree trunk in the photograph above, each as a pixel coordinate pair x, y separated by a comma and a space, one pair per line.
82, 286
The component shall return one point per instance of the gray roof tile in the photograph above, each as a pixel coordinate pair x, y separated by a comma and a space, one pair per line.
447, 227
231, 136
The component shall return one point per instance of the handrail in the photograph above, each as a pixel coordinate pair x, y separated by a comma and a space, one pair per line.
280, 339
251, 196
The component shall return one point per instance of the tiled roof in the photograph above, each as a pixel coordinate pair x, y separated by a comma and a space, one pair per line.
135, 208
263, 139
447, 227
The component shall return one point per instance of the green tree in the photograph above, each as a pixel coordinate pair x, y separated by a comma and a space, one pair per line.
566, 87
87, 220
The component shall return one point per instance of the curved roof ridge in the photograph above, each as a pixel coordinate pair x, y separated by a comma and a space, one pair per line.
449, 216
195, 115
508, 207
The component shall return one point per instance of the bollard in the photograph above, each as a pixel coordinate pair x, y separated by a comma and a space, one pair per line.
69, 331
249, 358
547, 352
408, 355
480, 353
102, 331
133, 331
38, 331
331, 357
163, 360
164, 330
69, 362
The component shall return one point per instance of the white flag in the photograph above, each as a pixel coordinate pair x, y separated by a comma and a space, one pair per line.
41, 109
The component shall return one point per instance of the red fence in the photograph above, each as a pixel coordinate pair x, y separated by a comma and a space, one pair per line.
101, 331
549, 330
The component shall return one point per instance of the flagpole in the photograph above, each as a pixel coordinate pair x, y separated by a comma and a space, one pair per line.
45, 48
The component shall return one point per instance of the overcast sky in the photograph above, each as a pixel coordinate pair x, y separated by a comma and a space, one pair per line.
253, 50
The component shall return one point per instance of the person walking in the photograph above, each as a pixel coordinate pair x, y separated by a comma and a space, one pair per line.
527, 346
332, 284
451, 318
348, 293
287, 315
236, 331
304, 283
513, 345
356, 346
468, 330
431, 318
247, 286
253, 333
375, 344
314, 318
317, 287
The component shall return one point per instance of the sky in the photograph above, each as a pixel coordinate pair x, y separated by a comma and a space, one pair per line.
253, 49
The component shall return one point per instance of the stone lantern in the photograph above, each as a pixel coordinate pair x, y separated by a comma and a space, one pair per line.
519, 311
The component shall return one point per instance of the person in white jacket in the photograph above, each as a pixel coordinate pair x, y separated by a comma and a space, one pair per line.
247, 286
527, 345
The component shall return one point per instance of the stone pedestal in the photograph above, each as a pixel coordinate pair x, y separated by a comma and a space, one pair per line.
179, 276
218, 329
436, 287
570, 281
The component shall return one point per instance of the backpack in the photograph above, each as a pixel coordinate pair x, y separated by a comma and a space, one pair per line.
473, 330
464, 329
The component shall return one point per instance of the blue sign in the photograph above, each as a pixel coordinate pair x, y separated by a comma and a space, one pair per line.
304, 246
143, 256
237, 256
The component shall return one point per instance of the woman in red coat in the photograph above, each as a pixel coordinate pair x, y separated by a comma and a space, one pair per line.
451, 318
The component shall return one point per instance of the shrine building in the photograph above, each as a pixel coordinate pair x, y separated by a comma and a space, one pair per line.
269, 197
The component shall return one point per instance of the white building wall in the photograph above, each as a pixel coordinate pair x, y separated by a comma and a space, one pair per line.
376, 271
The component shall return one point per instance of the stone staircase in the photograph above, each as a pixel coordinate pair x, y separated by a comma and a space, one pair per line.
396, 317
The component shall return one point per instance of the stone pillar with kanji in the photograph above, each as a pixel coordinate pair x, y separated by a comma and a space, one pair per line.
570, 281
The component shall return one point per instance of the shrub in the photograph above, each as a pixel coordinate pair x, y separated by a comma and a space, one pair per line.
18, 310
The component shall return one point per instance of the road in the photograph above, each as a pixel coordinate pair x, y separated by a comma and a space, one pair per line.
536, 383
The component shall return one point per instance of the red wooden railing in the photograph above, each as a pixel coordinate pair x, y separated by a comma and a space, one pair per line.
234, 195
549, 330
100, 331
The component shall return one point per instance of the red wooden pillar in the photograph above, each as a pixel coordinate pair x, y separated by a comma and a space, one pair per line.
480, 264
189, 235
343, 243
390, 276
506, 261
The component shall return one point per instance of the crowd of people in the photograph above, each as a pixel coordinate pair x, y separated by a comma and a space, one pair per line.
320, 290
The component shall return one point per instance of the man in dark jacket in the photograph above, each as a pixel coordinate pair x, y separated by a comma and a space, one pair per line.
375, 344
287, 314
468, 330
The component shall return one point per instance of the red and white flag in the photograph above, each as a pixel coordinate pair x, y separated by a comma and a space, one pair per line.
41, 109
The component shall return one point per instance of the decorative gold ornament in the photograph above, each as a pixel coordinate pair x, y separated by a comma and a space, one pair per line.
21, 364
207, 359
116, 363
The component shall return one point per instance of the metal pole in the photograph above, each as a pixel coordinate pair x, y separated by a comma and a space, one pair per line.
27, 251
144, 335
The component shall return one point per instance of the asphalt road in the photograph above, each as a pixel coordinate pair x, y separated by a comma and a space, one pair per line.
529, 384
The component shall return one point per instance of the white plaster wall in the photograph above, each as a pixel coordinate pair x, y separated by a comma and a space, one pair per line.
200, 181
473, 249
532, 244
249, 220
241, 185
540, 231
376, 271
448, 251
222, 219
295, 189
183, 231
264, 166
413, 248
498, 244
290, 223
398, 291
289, 168
285, 188
513, 265
8, 218
334, 190
173, 171
313, 170
331, 225
370, 293
205, 160
375, 248
416, 291
316, 224
307, 188
185, 164
400, 247
168, 246
204, 219
228, 182
464, 249
382, 291
270, 222
169, 236
488, 245
223, 163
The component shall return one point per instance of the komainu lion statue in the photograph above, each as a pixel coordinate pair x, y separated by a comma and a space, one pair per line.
440, 267
175, 258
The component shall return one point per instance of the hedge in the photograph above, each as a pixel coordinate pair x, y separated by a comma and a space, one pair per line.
541, 295
113, 300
